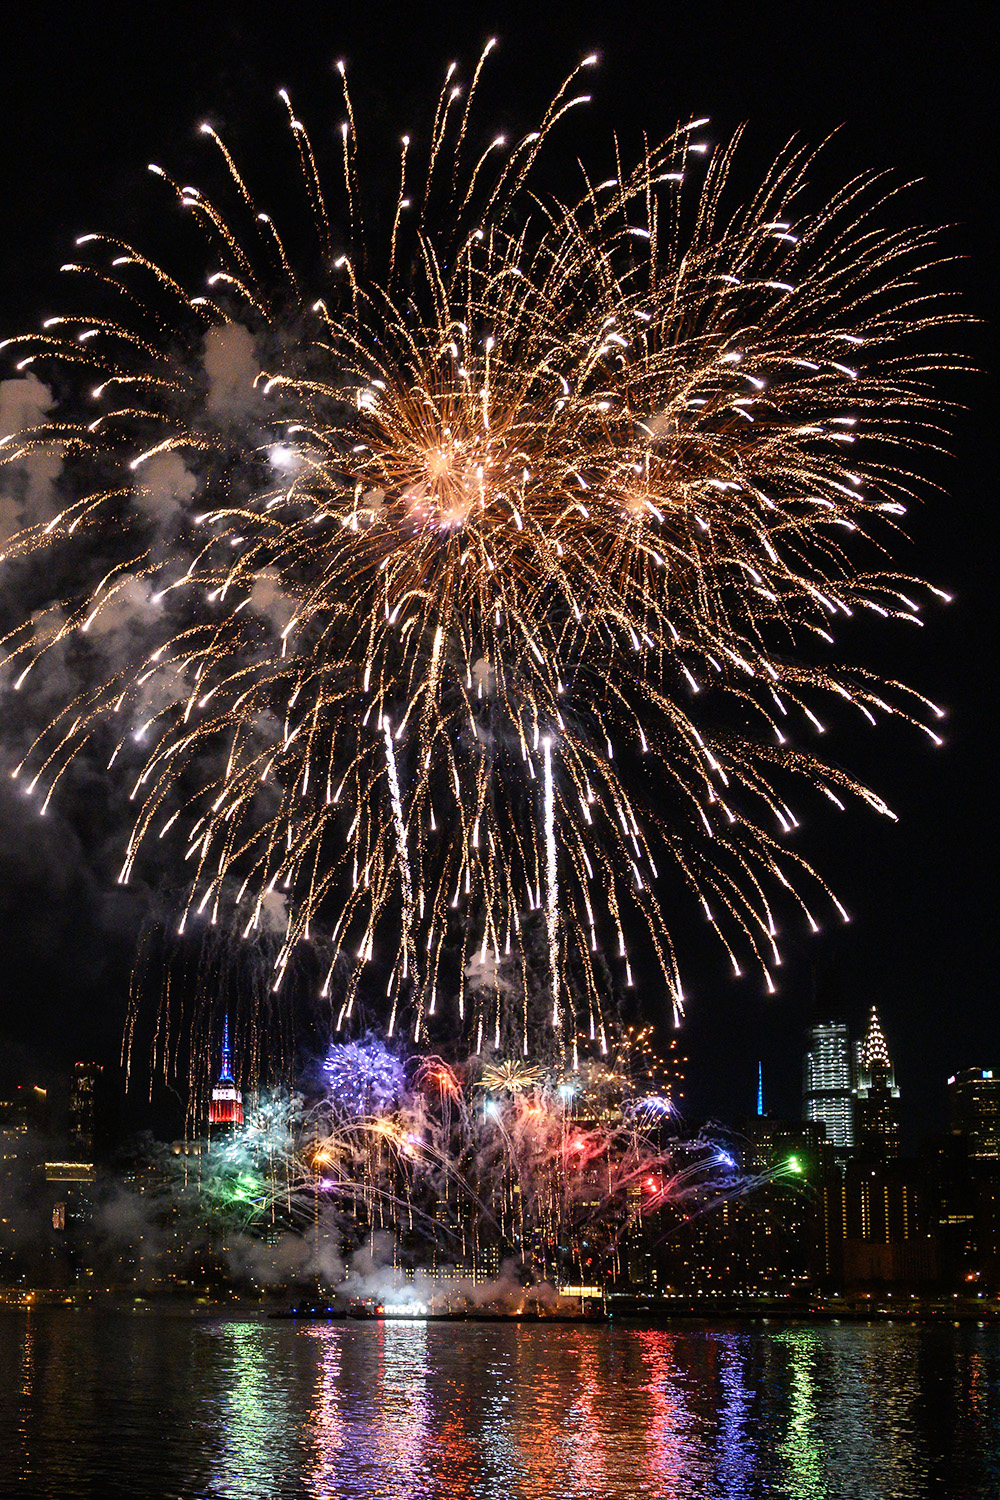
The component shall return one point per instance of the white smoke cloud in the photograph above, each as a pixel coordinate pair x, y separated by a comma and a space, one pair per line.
27, 493
370, 1276
371, 505
46, 625
484, 678
274, 913
24, 402
485, 972
268, 599
291, 1258
168, 685
661, 424
129, 602
165, 489
231, 366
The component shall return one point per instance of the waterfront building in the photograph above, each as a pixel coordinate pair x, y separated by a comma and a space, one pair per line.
753, 1243
70, 1171
826, 1086
873, 1227
974, 1104
949, 1190
225, 1108
73, 1172
876, 1106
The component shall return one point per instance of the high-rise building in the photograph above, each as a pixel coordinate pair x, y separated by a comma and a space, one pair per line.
876, 1107
826, 1085
81, 1108
974, 1102
226, 1106
789, 1149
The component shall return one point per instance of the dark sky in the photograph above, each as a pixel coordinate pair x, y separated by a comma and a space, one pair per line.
90, 94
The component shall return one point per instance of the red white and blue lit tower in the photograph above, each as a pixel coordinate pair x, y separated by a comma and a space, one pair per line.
226, 1106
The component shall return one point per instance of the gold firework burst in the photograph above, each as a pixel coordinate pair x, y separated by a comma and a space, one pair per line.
510, 531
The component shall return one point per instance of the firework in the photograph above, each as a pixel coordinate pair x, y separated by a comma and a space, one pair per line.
525, 1164
509, 1077
363, 1078
504, 578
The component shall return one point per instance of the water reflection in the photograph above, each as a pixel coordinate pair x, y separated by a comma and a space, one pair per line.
254, 1415
737, 1458
666, 1415
367, 1426
122, 1406
403, 1410
805, 1475
851, 1394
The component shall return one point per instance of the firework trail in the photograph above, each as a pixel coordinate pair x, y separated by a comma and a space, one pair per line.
404, 863
576, 484
551, 886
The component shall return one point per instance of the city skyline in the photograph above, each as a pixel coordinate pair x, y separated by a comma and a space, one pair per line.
836, 1073
808, 1217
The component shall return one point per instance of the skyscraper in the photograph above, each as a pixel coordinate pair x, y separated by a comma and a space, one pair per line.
974, 1103
876, 1111
81, 1108
826, 1085
226, 1107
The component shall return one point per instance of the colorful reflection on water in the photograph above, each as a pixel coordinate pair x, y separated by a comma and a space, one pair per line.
154, 1405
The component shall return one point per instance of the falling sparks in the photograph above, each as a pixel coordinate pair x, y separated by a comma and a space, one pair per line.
572, 475
551, 882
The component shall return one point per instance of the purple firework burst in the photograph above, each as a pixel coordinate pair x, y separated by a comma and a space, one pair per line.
363, 1078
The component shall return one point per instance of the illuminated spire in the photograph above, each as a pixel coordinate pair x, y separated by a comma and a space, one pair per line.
226, 1076
876, 1114
874, 1051
760, 1088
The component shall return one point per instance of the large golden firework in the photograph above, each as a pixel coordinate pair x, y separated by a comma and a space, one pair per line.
512, 576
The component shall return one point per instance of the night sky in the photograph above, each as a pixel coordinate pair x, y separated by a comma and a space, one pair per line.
90, 94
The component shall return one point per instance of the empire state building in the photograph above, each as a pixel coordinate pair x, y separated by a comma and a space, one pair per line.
225, 1109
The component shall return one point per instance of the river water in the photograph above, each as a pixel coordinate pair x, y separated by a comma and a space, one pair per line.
147, 1404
